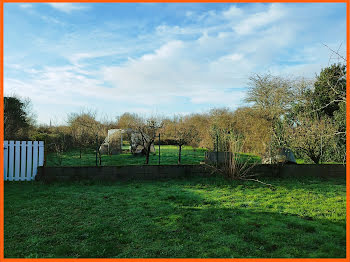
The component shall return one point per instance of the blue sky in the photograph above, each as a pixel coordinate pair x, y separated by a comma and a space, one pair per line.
159, 59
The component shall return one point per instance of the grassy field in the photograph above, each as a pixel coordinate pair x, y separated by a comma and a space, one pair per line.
200, 217
169, 156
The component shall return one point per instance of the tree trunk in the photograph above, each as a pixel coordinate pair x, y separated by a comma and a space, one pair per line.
147, 153
179, 161
316, 159
80, 152
147, 157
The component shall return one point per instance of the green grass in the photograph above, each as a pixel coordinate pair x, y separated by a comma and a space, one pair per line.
199, 217
303, 161
169, 156
300, 161
249, 157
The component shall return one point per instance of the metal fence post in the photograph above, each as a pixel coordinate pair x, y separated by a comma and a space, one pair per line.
321, 151
96, 148
159, 149
217, 149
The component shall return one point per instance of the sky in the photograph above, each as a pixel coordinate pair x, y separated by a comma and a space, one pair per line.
159, 58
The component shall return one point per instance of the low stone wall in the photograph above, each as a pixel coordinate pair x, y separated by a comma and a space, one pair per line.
175, 171
142, 172
292, 170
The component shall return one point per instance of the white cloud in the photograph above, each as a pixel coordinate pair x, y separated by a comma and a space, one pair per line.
172, 31
232, 12
68, 7
205, 62
233, 57
172, 71
258, 20
25, 6
168, 50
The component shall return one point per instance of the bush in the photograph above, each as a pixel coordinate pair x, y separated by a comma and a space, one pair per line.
54, 141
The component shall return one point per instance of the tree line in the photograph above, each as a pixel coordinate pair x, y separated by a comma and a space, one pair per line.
306, 116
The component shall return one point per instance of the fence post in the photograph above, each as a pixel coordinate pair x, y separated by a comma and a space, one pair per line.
11, 160
96, 148
321, 151
35, 158
6, 154
45, 150
41, 153
23, 160
17, 159
29, 160
159, 149
217, 149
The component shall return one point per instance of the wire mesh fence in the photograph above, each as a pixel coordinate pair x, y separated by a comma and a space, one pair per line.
163, 155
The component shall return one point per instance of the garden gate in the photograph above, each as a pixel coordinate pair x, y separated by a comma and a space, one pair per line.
21, 159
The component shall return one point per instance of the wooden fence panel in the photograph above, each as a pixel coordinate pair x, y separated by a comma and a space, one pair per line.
11, 160
41, 153
29, 160
35, 158
6, 160
21, 159
17, 159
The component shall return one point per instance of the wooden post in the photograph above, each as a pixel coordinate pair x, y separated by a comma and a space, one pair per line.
18, 159
96, 148
159, 149
29, 160
45, 151
24, 160
321, 151
35, 159
217, 149
6, 154
108, 142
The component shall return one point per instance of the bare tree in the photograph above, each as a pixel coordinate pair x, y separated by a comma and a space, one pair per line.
84, 128
335, 83
256, 129
271, 94
236, 167
148, 130
311, 135
184, 133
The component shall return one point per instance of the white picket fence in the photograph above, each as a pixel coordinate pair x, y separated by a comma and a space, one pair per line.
21, 159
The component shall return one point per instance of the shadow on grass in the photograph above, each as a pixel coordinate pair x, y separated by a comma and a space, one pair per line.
170, 218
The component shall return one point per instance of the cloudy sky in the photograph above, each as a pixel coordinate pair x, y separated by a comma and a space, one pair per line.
160, 58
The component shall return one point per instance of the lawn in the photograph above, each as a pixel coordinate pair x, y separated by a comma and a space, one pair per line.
197, 217
169, 156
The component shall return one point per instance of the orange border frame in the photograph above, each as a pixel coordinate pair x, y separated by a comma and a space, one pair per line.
181, 259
